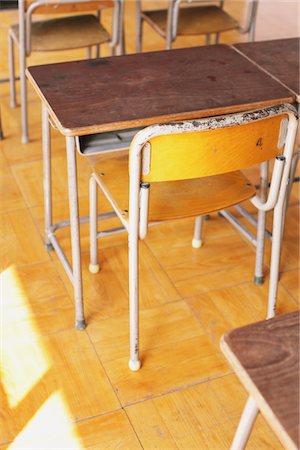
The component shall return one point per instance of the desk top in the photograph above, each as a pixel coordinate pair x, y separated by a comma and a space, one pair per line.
265, 356
279, 58
85, 97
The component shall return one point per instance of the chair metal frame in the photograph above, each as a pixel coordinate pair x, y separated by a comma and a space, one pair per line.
173, 15
137, 224
24, 44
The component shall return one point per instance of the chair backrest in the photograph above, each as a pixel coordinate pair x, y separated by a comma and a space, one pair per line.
63, 6
206, 147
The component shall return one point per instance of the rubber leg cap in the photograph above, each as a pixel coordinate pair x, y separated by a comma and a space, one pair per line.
25, 140
94, 268
258, 281
134, 365
80, 324
197, 243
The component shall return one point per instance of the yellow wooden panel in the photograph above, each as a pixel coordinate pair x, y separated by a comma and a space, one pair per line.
200, 154
56, 6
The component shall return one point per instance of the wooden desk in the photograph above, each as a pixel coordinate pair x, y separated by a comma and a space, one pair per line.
279, 58
265, 357
86, 97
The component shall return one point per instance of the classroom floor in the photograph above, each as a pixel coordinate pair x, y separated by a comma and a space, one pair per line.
67, 389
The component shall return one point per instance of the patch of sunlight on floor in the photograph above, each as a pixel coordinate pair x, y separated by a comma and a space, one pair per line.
49, 428
23, 359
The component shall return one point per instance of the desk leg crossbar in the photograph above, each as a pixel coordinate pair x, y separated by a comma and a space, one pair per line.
74, 270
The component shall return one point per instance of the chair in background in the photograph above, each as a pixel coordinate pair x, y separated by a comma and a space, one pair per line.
190, 169
192, 20
61, 33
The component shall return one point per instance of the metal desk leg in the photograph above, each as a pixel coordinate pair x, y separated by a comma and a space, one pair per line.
47, 176
75, 232
245, 426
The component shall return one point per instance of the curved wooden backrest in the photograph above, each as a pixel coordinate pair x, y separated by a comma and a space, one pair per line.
58, 7
198, 154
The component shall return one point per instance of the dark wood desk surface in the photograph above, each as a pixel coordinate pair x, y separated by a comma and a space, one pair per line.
105, 94
265, 356
278, 57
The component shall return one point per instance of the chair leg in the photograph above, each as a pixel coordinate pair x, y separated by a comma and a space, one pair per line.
197, 241
207, 39
12, 75
89, 53
217, 37
98, 51
245, 425
275, 260
261, 226
94, 265
24, 108
133, 253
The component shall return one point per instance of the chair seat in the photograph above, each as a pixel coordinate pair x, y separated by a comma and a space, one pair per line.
192, 21
191, 197
65, 33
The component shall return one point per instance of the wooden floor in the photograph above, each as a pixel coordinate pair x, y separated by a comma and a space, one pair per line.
65, 389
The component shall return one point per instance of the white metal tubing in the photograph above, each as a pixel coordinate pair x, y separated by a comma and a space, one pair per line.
233, 220
138, 26
261, 225
22, 53
274, 187
61, 255
197, 239
75, 232
47, 174
278, 218
89, 53
144, 210
12, 74
251, 219
93, 223
85, 219
250, 22
111, 200
121, 31
245, 426
169, 32
133, 255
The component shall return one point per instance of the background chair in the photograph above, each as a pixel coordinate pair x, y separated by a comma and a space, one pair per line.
192, 169
195, 20
62, 33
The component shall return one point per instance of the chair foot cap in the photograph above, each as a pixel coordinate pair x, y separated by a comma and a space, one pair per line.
197, 243
25, 140
13, 105
94, 268
134, 365
80, 324
258, 281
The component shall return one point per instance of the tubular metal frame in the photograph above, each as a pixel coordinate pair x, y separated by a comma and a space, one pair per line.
137, 225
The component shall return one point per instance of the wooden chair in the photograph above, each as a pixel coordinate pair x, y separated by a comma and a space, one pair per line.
60, 33
188, 169
195, 20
